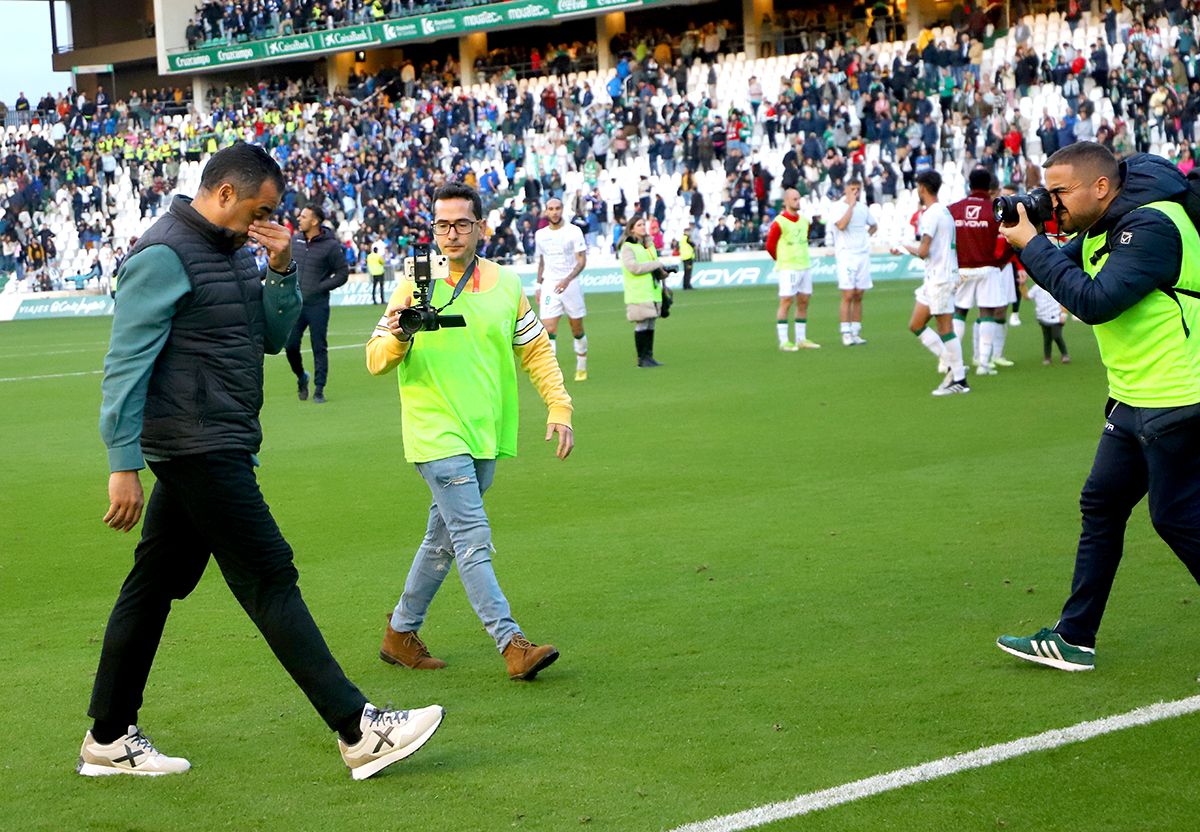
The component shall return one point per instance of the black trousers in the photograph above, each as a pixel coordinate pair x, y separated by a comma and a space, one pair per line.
377, 284
1142, 451
210, 504
1052, 333
315, 318
687, 274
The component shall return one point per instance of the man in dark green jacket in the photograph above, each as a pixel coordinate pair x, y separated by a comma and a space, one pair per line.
182, 391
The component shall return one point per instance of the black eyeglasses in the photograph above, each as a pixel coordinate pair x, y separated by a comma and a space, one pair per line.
442, 227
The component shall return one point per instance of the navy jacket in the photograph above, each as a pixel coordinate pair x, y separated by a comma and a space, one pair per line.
1146, 253
320, 266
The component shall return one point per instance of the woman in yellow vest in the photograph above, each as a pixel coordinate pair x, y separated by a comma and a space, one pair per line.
643, 293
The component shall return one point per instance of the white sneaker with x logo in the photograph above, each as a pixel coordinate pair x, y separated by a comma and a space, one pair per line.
133, 753
388, 737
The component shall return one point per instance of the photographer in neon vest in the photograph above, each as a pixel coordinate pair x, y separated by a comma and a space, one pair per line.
643, 275
458, 410
1132, 271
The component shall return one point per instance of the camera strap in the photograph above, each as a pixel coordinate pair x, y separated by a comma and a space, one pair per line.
462, 282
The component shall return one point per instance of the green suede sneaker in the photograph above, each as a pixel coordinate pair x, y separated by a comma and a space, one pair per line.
1049, 648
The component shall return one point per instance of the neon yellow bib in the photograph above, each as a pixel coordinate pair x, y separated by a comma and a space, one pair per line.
641, 288
458, 387
1152, 350
791, 252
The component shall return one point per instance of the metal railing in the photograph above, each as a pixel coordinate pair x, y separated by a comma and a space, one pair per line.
585, 63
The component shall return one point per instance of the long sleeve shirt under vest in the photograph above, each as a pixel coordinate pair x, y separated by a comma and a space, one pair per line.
152, 283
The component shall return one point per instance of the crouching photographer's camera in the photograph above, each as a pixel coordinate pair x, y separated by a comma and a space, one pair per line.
423, 268
1039, 207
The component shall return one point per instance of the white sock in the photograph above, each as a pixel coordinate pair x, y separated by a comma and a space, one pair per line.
801, 330
931, 341
554, 345
960, 326
581, 353
985, 343
844, 327
855, 327
954, 358
781, 331
977, 330
999, 336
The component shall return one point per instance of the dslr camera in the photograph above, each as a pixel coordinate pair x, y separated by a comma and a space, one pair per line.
1039, 207
423, 268
660, 275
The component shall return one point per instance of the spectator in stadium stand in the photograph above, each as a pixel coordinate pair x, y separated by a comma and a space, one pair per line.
183, 387
193, 33
320, 267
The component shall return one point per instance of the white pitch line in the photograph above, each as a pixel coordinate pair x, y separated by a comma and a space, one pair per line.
53, 375
986, 756
99, 372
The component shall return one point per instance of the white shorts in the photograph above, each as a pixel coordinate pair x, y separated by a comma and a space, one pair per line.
938, 297
554, 304
794, 282
980, 287
1008, 282
854, 271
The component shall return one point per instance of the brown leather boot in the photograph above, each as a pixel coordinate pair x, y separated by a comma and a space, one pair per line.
407, 649
525, 659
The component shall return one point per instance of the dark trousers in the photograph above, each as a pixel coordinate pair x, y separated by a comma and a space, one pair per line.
201, 505
1052, 333
314, 317
1142, 451
377, 284
687, 274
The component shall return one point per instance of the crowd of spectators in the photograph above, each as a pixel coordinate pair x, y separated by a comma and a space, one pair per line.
372, 154
232, 22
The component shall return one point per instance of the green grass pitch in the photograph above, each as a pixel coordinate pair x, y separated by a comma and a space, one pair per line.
767, 573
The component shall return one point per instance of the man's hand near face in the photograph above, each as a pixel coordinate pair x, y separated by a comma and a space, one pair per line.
277, 240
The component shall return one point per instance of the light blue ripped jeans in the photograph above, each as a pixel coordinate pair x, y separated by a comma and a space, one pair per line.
459, 532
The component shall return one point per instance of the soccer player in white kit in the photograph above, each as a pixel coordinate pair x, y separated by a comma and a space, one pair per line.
935, 298
561, 257
852, 251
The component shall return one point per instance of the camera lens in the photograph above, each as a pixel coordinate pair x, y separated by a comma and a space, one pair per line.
1003, 207
410, 321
